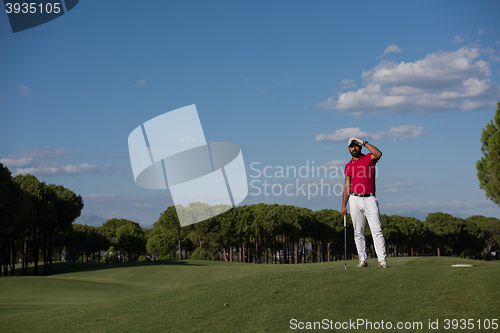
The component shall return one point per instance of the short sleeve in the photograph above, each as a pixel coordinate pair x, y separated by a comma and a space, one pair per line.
347, 170
370, 161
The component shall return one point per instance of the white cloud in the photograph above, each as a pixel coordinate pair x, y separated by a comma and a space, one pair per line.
341, 134
107, 168
24, 90
391, 49
16, 162
495, 58
400, 133
336, 163
59, 170
35, 162
396, 188
429, 204
458, 39
187, 139
346, 84
97, 195
441, 81
47, 152
141, 83
396, 133
480, 32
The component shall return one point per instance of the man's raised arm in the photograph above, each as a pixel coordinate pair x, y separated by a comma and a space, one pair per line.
376, 154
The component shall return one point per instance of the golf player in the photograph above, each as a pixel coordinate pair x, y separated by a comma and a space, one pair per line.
359, 190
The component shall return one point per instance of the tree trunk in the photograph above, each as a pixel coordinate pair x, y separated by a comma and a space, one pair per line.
1, 242
320, 251
267, 251
4, 267
13, 257
3, 254
45, 255
276, 249
256, 251
328, 250
295, 255
262, 248
180, 250
25, 254
243, 256
36, 249
304, 251
287, 249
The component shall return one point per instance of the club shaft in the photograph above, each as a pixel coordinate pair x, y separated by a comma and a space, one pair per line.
345, 247
345, 242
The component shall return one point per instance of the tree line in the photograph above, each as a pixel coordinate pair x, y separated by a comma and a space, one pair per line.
264, 233
36, 221
34, 217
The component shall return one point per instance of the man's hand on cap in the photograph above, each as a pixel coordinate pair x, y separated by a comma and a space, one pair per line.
355, 140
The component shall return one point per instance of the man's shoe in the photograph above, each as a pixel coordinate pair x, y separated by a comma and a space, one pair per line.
382, 264
362, 264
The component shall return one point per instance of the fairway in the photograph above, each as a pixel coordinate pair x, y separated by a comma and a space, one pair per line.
195, 296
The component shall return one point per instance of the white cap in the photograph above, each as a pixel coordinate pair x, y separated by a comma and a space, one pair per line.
353, 139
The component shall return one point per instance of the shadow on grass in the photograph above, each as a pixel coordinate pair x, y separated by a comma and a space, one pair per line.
59, 267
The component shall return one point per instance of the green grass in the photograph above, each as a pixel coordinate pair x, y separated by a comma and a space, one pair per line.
190, 296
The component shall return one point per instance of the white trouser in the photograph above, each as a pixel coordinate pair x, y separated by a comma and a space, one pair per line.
361, 208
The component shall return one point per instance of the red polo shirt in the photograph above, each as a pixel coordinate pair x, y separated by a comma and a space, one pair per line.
362, 173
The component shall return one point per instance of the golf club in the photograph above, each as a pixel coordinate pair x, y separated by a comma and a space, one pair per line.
345, 243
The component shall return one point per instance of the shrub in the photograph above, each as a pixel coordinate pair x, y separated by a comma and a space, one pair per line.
170, 256
199, 254
143, 258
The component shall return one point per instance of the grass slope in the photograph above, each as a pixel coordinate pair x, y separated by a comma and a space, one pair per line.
198, 296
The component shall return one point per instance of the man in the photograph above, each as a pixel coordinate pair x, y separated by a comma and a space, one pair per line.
359, 190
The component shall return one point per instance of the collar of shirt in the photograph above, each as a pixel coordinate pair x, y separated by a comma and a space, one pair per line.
362, 155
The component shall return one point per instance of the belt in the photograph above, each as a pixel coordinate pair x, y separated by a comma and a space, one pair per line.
363, 195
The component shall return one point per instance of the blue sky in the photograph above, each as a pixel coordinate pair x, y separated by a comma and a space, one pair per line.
287, 81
